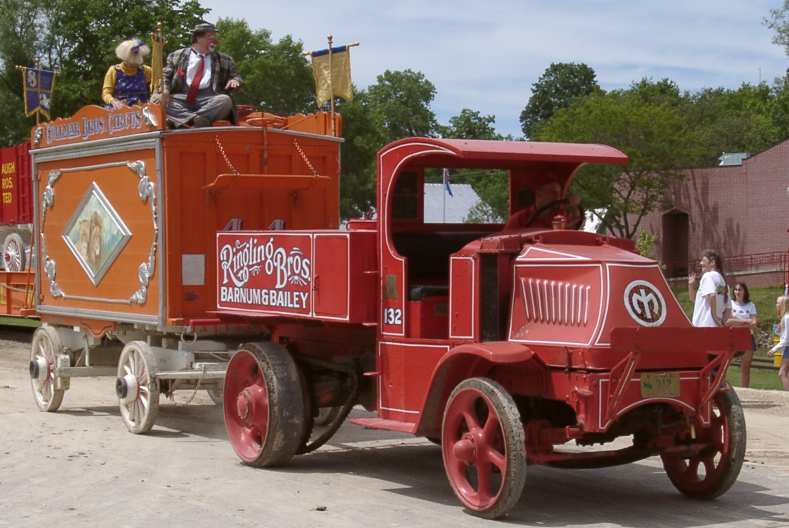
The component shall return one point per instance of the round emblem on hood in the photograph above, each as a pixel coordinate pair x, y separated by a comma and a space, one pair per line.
645, 303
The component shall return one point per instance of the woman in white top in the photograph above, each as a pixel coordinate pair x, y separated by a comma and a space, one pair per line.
782, 307
742, 312
710, 292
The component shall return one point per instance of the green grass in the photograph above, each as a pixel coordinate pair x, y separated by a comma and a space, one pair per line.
19, 321
764, 299
760, 378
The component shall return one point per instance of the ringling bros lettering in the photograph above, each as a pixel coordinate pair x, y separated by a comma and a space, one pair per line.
272, 273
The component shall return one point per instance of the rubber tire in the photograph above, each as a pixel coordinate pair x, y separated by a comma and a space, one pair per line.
50, 334
514, 438
14, 238
730, 405
286, 424
151, 367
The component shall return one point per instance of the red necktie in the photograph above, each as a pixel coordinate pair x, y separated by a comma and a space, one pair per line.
195, 86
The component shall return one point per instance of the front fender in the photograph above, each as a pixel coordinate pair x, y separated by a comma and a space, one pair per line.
462, 362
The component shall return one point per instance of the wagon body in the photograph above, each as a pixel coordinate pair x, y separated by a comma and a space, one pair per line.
125, 219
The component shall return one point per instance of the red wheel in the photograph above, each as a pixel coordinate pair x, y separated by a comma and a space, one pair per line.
263, 404
482, 442
712, 471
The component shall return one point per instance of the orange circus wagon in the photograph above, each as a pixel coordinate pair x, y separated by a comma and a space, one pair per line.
124, 223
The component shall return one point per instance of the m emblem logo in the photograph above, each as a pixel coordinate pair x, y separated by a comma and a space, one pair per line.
645, 304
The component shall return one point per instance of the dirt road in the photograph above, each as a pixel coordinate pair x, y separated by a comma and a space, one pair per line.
79, 467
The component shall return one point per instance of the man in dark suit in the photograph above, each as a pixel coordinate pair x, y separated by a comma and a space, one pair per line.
197, 81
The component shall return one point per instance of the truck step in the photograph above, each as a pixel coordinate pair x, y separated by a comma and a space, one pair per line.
386, 425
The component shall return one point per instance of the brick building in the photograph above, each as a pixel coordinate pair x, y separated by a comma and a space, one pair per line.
740, 210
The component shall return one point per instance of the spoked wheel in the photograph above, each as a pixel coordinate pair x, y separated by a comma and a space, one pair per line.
43, 353
14, 253
482, 442
137, 387
264, 405
712, 471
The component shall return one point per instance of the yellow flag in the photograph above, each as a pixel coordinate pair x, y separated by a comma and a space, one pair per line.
332, 74
157, 60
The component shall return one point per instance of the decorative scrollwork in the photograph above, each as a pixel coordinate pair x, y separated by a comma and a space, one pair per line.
49, 270
145, 271
149, 117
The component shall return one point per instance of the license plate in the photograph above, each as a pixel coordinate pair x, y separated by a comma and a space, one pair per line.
659, 384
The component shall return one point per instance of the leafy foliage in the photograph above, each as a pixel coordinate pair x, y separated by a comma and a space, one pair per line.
555, 89
778, 21
400, 104
363, 138
653, 133
78, 38
277, 77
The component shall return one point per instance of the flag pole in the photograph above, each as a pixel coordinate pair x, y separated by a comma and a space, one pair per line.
331, 89
38, 110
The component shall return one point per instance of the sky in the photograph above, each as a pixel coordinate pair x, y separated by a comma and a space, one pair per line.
486, 55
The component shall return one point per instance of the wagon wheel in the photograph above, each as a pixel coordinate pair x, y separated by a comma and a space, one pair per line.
712, 471
14, 253
43, 353
264, 405
137, 387
482, 442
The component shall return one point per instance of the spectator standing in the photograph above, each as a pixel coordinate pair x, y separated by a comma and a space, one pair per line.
710, 292
743, 314
782, 307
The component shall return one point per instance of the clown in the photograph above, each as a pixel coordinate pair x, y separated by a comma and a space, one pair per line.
128, 83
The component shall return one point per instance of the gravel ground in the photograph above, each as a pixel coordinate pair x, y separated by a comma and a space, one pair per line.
79, 466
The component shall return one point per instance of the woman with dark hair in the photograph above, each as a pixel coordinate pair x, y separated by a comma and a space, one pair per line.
743, 313
710, 292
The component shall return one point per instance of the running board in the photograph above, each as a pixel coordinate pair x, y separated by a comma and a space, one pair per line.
386, 425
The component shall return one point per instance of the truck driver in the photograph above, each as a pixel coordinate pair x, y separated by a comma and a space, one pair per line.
197, 80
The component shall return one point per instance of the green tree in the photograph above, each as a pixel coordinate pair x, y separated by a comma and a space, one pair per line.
741, 120
778, 21
78, 38
490, 185
400, 103
555, 89
277, 76
363, 138
655, 135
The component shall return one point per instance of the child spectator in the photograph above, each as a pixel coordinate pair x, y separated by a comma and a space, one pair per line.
782, 307
743, 314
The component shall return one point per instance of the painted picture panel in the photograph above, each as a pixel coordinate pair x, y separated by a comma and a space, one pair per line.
96, 234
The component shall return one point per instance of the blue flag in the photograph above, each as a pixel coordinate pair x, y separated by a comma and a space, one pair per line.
447, 188
37, 86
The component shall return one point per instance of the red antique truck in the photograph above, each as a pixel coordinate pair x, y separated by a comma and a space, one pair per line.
502, 343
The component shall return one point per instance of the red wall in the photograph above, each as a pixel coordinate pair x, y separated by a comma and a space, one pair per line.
738, 210
16, 195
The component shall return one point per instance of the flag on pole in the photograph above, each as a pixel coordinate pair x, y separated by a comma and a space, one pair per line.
332, 73
37, 87
157, 60
447, 188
